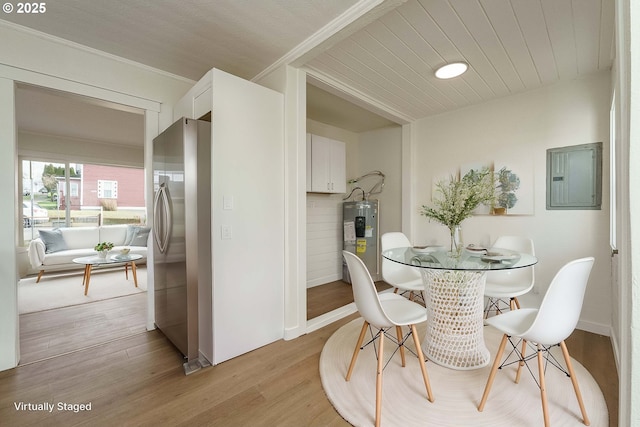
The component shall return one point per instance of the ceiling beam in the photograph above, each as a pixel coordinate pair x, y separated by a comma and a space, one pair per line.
356, 97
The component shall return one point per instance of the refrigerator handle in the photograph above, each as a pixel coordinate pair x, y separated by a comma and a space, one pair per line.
162, 218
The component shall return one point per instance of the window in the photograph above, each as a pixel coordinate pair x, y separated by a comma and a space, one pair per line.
74, 189
107, 189
76, 195
612, 176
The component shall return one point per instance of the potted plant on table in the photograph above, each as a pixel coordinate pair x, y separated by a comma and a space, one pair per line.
103, 248
456, 199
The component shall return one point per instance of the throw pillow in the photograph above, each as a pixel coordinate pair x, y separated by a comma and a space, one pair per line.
131, 231
53, 240
141, 236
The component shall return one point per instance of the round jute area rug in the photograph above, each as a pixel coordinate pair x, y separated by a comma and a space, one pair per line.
456, 393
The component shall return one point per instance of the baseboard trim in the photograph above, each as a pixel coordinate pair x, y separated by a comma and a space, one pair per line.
330, 317
323, 280
293, 333
616, 351
595, 328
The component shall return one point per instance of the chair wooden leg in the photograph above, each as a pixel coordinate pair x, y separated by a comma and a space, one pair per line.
356, 351
399, 334
423, 368
543, 387
379, 379
487, 308
492, 375
39, 276
517, 303
521, 363
574, 380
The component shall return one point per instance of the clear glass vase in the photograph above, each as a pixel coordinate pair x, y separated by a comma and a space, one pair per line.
456, 240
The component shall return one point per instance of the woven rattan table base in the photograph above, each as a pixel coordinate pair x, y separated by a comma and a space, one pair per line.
455, 305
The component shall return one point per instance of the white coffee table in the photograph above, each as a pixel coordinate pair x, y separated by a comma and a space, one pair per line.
91, 261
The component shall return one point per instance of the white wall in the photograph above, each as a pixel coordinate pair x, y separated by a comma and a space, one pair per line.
522, 127
292, 83
9, 326
381, 149
55, 147
247, 125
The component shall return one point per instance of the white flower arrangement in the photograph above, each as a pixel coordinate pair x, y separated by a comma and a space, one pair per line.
456, 199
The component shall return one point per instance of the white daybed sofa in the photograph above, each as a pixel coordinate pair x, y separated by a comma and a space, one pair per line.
56, 248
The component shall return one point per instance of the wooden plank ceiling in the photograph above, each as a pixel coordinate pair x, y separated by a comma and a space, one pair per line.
511, 46
187, 37
384, 63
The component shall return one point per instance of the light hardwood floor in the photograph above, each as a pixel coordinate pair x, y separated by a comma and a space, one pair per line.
325, 298
51, 333
138, 380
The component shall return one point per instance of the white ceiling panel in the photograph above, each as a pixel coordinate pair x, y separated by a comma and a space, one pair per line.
188, 37
505, 24
510, 46
490, 49
561, 30
379, 53
533, 25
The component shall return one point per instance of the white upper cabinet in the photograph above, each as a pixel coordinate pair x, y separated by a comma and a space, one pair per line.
203, 103
326, 162
198, 101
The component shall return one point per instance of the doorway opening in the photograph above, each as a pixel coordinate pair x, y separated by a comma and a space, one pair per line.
81, 164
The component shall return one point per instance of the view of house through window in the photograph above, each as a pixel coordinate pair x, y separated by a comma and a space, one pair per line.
74, 194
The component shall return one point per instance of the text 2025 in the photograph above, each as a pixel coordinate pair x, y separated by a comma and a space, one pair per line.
31, 8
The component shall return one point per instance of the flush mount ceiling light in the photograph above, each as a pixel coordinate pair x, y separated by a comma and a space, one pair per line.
451, 70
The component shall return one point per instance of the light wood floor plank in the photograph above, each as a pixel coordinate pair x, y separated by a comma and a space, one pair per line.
138, 379
325, 298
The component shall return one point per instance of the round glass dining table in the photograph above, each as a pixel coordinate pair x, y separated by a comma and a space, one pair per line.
454, 298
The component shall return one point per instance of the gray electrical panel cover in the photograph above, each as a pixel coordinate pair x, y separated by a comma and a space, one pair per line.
574, 177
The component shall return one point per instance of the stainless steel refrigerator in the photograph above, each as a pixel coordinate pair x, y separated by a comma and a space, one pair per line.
360, 236
182, 254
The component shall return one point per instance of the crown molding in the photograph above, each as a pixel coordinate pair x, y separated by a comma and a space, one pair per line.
356, 17
338, 88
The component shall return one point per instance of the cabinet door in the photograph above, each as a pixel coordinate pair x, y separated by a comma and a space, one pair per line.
202, 104
320, 171
338, 166
328, 162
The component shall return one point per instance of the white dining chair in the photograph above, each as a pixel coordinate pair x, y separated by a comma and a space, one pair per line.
546, 327
503, 287
402, 277
383, 312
